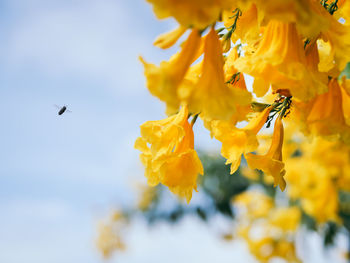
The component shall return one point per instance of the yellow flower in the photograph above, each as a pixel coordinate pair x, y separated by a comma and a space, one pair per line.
326, 59
316, 176
338, 36
211, 96
247, 25
190, 13
285, 218
319, 79
110, 234
326, 117
163, 81
147, 196
168, 39
271, 163
255, 204
230, 70
170, 159
305, 13
268, 230
279, 61
236, 142
309, 182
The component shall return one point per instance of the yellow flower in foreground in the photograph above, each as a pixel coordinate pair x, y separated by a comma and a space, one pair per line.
163, 81
170, 159
236, 142
271, 163
211, 96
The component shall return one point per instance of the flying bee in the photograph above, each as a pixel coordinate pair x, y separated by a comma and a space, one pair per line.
62, 109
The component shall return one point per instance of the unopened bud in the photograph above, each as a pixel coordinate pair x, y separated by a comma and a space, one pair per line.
226, 44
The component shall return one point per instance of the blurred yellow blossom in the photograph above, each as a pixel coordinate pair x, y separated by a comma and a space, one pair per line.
110, 233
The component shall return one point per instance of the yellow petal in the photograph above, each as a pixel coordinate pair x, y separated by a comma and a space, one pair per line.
168, 39
163, 81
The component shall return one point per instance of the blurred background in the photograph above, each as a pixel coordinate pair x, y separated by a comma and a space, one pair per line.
60, 175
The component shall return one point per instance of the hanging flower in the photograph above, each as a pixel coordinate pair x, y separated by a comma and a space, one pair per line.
326, 117
164, 80
211, 96
236, 142
279, 61
304, 13
271, 163
168, 154
247, 26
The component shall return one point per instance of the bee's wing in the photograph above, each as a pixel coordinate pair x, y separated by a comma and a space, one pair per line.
69, 111
58, 107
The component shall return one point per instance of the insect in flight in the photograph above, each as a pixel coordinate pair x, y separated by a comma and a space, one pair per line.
62, 109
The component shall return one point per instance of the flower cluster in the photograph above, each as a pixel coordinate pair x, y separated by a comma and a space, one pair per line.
294, 50
269, 230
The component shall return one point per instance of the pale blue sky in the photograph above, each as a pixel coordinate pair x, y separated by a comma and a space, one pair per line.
59, 174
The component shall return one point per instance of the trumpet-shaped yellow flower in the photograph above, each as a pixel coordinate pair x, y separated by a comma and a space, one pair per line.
279, 61
271, 163
170, 159
190, 13
326, 117
247, 27
211, 96
305, 13
320, 79
236, 142
163, 81
168, 39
